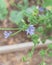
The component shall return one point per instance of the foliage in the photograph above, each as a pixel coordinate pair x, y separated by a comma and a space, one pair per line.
50, 46
16, 16
47, 3
3, 10
42, 63
44, 3
35, 39
24, 59
50, 51
42, 53
36, 22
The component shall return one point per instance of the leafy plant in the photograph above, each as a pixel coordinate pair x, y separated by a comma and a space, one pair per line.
48, 52
25, 10
16, 16
42, 53
3, 10
44, 3
47, 3
24, 59
33, 21
42, 63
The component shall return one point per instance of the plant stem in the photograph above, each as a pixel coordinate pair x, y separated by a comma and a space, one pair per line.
8, 28
15, 33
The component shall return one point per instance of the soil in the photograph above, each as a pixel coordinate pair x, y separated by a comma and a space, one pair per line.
16, 57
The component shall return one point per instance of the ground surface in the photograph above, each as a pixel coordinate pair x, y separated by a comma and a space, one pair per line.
16, 58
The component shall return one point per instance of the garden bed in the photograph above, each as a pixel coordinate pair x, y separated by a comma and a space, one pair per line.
14, 48
16, 58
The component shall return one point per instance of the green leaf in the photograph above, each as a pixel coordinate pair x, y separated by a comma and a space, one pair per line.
50, 46
3, 4
22, 25
42, 53
20, 6
35, 36
16, 16
35, 39
50, 53
47, 3
3, 10
33, 18
40, 29
24, 58
43, 40
29, 10
50, 37
26, 3
42, 63
30, 54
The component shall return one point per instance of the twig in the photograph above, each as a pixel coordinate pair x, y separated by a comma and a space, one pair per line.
21, 47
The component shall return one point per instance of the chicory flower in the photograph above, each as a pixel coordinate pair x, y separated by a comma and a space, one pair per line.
41, 9
30, 30
7, 34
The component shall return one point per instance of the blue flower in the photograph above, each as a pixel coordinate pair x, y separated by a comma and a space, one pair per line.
7, 34
41, 9
30, 30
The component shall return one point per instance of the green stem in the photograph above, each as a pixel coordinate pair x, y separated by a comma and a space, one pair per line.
15, 33
31, 53
8, 28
